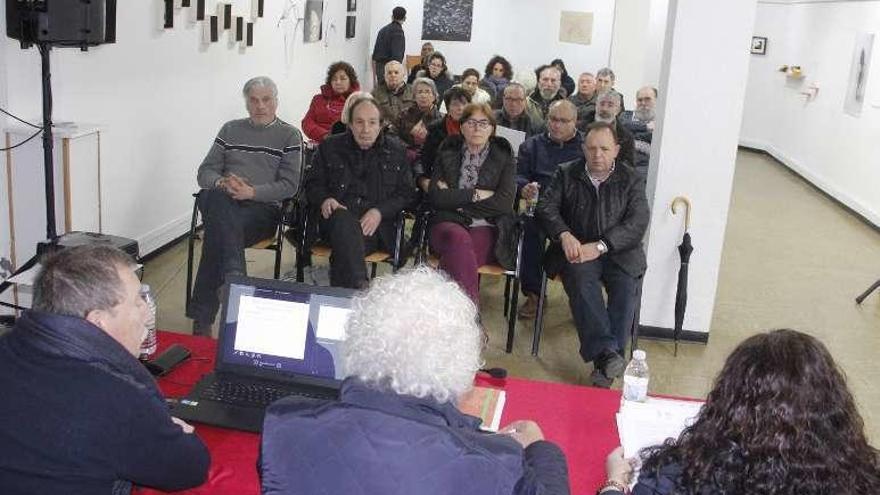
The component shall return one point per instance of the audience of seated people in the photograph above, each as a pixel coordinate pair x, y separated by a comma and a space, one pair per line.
326, 106
780, 419
472, 185
538, 159
359, 182
412, 349
470, 82
393, 95
514, 112
496, 77
253, 165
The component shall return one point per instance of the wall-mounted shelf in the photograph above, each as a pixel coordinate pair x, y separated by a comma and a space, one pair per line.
792, 71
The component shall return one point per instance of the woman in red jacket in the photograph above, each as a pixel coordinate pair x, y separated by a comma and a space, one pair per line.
326, 107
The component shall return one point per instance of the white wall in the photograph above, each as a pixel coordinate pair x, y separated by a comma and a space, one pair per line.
5, 246
702, 89
161, 96
837, 152
526, 32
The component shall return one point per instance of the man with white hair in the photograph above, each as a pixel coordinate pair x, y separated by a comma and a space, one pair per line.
80, 415
605, 82
394, 95
412, 348
549, 89
514, 111
607, 110
640, 123
585, 98
253, 165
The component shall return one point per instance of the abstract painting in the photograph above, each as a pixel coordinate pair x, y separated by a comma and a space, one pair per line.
349, 26
447, 20
312, 25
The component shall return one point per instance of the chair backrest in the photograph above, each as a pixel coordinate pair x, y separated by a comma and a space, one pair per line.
412, 61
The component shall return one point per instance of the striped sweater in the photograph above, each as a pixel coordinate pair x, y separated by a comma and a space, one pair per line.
268, 157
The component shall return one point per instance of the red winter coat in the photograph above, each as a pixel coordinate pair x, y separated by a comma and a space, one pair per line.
325, 110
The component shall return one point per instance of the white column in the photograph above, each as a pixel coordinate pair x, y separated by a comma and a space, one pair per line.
702, 89
637, 45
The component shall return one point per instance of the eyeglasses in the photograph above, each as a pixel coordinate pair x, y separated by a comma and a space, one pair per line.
478, 124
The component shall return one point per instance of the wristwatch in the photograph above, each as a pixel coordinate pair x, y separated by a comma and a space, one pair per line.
602, 247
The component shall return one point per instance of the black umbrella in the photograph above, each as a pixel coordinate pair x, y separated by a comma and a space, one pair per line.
684, 251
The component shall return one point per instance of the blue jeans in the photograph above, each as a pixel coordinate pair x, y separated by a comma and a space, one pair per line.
599, 327
230, 226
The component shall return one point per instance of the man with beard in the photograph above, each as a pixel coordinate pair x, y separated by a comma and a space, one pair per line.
641, 124
605, 82
585, 98
549, 89
607, 110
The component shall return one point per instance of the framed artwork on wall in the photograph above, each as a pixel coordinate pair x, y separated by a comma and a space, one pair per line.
349, 26
312, 29
352, 5
759, 45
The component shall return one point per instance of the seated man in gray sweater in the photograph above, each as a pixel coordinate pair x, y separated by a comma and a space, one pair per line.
252, 166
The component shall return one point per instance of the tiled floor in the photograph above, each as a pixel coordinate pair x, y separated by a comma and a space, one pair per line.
792, 258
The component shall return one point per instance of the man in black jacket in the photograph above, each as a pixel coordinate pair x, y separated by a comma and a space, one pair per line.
360, 181
390, 43
597, 213
80, 415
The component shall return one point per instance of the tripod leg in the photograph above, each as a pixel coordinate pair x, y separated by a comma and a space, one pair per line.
868, 292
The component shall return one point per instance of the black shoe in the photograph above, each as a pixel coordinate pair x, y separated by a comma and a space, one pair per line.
606, 367
598, 379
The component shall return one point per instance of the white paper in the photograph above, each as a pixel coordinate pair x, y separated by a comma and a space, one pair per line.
649, 423
331, 323
270, 326
513, 136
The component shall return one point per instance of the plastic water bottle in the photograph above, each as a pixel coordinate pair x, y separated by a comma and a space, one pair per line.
635, 378
148, 346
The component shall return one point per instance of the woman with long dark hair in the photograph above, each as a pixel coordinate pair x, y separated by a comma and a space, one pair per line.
496, 77
780, 420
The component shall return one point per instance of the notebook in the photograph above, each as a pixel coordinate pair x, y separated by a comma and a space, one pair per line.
276, 339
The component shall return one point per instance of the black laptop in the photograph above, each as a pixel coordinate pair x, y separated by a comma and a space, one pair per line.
276, 339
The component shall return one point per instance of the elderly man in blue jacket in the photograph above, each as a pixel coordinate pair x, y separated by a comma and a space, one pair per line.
80, 415
413, 346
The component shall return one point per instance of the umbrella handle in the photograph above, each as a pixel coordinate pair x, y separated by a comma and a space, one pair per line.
687, 211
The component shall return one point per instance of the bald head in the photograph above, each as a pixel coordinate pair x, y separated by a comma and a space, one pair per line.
562, 121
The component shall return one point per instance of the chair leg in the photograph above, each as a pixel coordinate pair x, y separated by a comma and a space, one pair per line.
539, 315
279, 245
511, 315
634, 331
190, 252
507, 311
373, 270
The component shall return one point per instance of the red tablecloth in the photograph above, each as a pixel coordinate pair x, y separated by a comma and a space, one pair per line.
578, 419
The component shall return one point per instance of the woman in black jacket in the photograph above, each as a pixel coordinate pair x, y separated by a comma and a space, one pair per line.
472, 185
780, 420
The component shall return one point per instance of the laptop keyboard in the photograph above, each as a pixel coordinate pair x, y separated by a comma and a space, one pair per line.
251, 394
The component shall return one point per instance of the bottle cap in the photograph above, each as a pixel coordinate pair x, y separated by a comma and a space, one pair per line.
639, 354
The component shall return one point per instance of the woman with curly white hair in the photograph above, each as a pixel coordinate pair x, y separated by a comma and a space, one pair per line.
413, 347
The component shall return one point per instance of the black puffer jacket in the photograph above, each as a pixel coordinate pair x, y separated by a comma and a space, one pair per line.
496, 174
617, 214
343, 171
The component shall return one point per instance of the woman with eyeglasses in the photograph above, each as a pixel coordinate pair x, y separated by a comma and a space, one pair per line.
437, 72
472, 185
412, 126
326, 107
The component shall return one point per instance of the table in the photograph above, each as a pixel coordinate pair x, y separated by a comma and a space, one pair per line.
578, 419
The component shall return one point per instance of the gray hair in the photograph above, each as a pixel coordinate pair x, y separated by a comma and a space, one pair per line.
394, 63
606, 72
610, 95
353, 101
582, 74
76, 281
416, 333
427, 82
261, 81
515, 85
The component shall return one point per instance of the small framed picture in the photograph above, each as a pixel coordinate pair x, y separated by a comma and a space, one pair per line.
759, 45
349, 26
352, 5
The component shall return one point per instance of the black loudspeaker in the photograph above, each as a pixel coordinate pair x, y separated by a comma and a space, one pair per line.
72, 23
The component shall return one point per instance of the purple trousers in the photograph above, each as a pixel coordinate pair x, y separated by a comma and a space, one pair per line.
462, 250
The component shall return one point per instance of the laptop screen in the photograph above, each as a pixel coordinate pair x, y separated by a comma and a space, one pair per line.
285, 327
